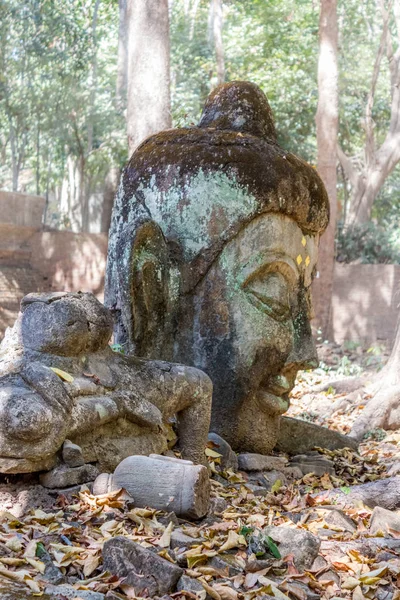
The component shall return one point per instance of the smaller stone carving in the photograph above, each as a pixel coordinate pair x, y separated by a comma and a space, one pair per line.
60, 380
161, 482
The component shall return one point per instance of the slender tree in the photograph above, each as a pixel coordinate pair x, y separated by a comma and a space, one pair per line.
327, 130
122, 64
215, 25
368, 174
148, 106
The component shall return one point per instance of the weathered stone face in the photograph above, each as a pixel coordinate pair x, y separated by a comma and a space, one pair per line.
212, 245
250, 328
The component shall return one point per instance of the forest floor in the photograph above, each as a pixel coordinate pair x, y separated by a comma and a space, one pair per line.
49, 538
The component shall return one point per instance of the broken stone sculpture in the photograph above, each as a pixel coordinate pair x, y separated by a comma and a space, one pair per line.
213, 246
60, 380
161, 482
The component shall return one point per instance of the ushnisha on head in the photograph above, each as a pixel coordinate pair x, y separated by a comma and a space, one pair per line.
212, 249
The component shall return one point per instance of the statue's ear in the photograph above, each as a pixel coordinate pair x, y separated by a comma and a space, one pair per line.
143, 267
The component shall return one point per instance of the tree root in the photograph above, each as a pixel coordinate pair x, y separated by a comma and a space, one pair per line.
382, 411
383, 492
346, 385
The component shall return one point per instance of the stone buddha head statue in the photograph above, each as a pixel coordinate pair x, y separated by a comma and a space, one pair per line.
213, 246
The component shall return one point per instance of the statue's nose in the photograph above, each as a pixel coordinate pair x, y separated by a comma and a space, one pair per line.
303, 355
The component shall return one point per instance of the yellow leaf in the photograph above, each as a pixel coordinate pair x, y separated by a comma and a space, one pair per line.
36, 564
234, 541
350, 583
277, 486
225, 591
165, 539
211, 453
90, 564
14, 544
62, 374
376, 573
357, 594
194, 556
210, 591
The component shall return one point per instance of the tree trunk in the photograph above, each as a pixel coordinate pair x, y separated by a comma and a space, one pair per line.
383, 409
378, 163
148, 106
216, 21
327, 129
110, 189
122, 63
14, 157
92, 97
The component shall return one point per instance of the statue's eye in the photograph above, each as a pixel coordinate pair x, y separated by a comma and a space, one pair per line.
270, 293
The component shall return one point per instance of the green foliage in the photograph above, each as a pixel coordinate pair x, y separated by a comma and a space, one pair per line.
375, 434
57, 87
368, 243
58, 79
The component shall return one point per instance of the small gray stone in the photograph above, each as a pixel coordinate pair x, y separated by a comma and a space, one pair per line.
302, 544
141, 568
229, 459
266, 479
226, 562
259, 462
258, 490
181, 540
189, 584
68, 592
339, 519
319, 465
64, 477
297, 436
382, 520
72, 454
217, 506
52, 574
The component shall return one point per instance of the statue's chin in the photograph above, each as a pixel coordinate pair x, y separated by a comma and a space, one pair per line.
258, 426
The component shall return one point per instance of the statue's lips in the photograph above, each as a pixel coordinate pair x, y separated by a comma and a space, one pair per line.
271, 403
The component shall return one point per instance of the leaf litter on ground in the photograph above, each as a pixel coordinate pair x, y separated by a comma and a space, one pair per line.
231, 557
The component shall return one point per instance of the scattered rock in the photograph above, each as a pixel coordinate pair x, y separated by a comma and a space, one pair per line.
259, 462
141, 568
266, 479
394, 469
72, 454
189, 584
292, 473
226, 564
338, 518
169, 518
64, 477
301, 543
317, 464
383, 492
258, 490
68, 592
217, 506
229, 459
296, 436
181, 540
383, 520
52, 574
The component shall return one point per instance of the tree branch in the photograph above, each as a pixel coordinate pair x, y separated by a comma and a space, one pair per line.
369, 123
351, 173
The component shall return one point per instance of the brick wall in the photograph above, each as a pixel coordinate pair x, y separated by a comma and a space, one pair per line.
366, 302
34, 261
